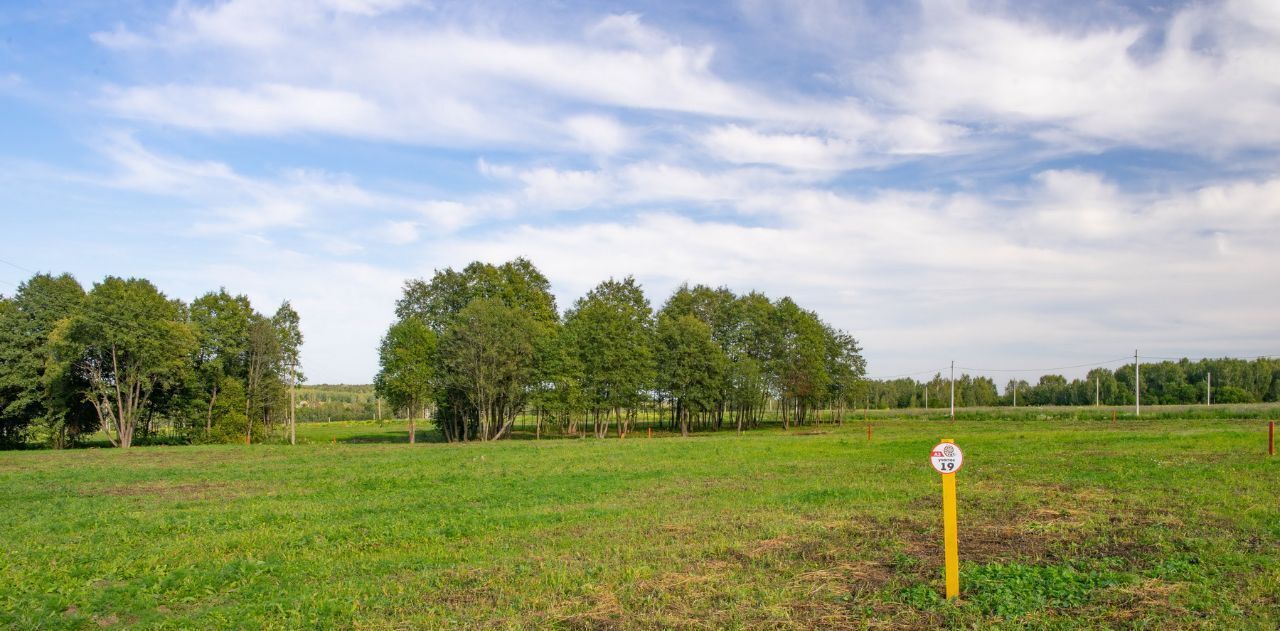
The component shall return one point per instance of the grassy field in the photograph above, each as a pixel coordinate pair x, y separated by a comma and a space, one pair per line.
1072, 523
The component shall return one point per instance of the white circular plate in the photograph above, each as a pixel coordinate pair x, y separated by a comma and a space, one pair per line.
946, 458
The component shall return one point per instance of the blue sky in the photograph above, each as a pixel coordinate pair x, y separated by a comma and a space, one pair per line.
1006, 184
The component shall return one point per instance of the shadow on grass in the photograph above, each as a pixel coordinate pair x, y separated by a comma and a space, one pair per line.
422, 436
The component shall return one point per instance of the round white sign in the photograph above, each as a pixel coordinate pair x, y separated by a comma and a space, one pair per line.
946, 458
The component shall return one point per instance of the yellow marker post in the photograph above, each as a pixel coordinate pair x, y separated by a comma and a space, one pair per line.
947, 459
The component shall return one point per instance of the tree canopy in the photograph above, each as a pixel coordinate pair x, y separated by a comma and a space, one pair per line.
126, 360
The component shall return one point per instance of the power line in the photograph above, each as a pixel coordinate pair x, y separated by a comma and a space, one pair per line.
910, 374
1089, 365
1273, 355
15, 265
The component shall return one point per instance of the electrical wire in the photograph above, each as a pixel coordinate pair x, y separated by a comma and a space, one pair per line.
1202, 358
15, 265
910, 374
1090, 365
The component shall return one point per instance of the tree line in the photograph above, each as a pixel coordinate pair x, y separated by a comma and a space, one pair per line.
474, 348
126, 360
1166, 382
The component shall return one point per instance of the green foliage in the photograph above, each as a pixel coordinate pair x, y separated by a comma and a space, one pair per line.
127, 360
34, 389
407, 358
497, 327
129, 342
1012, 589
609, 334
692, 365
488, 359
228, 422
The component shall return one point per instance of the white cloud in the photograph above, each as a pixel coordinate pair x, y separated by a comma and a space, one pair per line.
1079, 204
399, 232
597, 135
227, 202
741, 145
269, 108
329, 72
1210, 84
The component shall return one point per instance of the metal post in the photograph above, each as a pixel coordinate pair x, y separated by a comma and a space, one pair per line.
953, 390
1137, 388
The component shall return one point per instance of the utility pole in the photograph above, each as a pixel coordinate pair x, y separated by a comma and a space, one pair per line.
1097, 391
1208, 390
1015, 393
926, 396
293, 405
953, 389
1137, 388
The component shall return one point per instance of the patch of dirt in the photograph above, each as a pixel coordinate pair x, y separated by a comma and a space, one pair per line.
1133, 602
606, 614
463, 590
991, 542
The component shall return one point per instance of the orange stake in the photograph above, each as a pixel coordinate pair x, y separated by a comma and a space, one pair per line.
868, 433
650, 432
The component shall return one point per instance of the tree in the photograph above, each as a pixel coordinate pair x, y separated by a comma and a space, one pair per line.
262, 370
34, 390
445, 305
798, 368
288, 329
488, 356
127, 342
221, 324
691, 365
845, 368
406, 375
609, 332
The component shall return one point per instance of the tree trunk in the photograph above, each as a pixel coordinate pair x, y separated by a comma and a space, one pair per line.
208, 419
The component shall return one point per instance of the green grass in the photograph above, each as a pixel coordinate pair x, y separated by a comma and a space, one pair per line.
1071, 523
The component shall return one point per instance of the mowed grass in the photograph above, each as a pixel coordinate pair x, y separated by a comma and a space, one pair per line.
1152, 523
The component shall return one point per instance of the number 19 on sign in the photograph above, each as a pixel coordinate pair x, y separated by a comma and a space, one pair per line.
947, 459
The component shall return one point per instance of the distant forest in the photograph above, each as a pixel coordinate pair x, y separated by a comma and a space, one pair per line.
1167, 382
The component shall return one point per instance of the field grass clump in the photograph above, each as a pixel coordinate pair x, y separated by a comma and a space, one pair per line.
1158, 523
